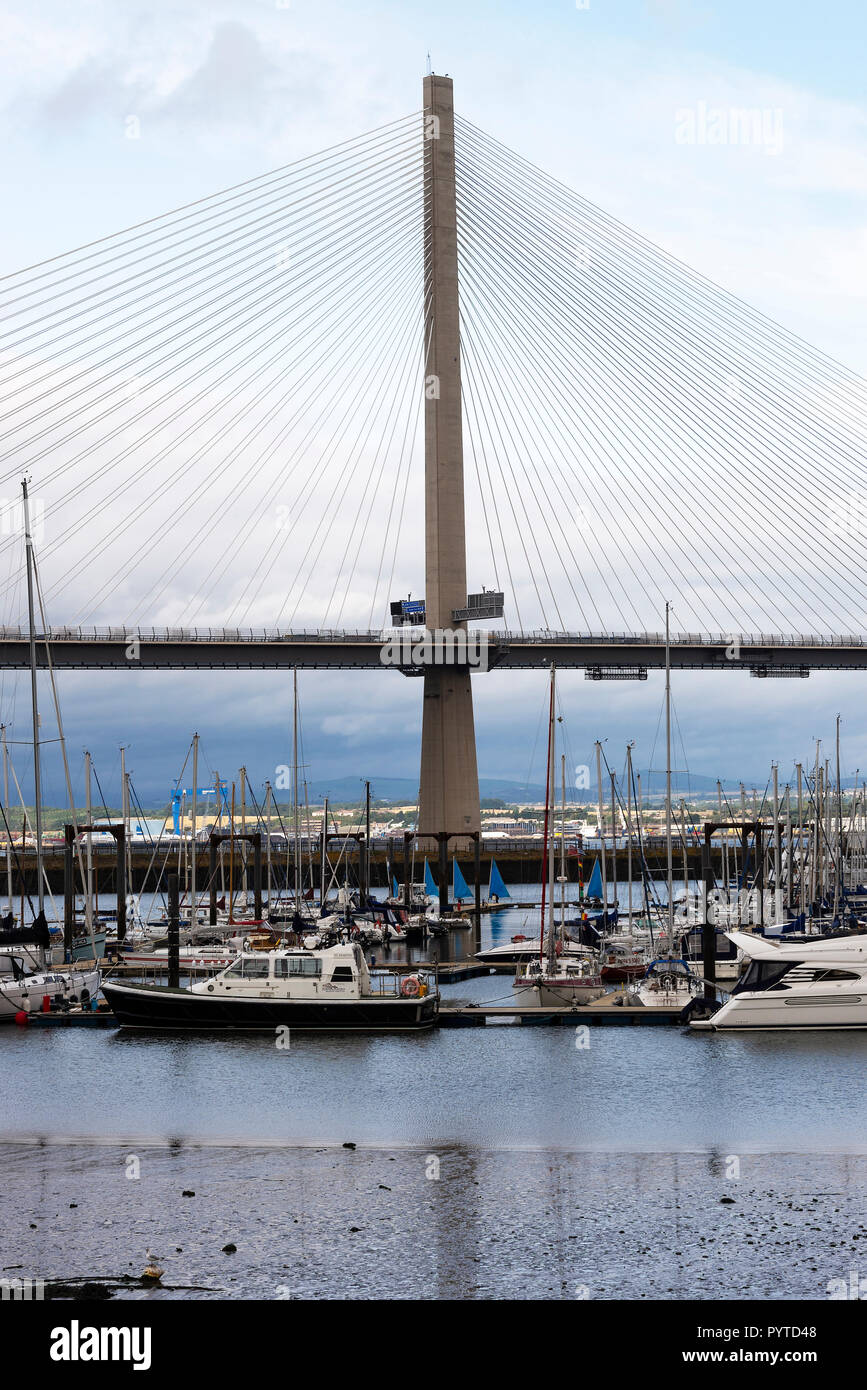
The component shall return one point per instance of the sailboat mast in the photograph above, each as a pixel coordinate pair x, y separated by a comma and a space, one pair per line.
563, 875
6, 805
546, 870
668, 846
778, 887
601, 814
838, 886
37, 779
268, 840
193, 855
88, 900
629, 831
295, 787
551, 804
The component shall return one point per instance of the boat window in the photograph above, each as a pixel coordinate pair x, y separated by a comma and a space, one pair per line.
256, 969
297, 965
835, 975
342, 972
764, 974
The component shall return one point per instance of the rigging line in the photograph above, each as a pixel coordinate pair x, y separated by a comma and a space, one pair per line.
555, 405
467, 388
224, 560
401, 410
208, 198
390, 413
274, 289
684, 325
399, 528
184, 408
310, 265
412, 328
690, 361
340, 191
683, 278
404, 465
503, 372
589, 277
721, 367
310, 484
670, 262
586, 385
484, 391
342, 425
506, 410
405, 412
271, 268
651, 412
206, 484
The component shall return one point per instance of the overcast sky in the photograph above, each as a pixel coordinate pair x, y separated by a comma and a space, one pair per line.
225, 90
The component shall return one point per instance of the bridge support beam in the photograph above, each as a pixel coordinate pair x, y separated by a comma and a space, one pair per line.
449, 782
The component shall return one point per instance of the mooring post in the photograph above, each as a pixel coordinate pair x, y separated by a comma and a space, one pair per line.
68, 891
174, 934
212, 879
407, 898
257, 874
708, 931
477, 869
120, 840
443, 840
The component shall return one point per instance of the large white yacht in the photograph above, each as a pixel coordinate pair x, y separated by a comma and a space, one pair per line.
796, 984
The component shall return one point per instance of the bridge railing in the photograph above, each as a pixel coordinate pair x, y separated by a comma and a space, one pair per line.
541, 637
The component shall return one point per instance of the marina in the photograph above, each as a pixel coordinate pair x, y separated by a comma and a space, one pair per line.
433, 769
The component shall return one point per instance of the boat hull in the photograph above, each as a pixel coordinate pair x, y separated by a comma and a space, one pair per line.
556, 994
160, 1008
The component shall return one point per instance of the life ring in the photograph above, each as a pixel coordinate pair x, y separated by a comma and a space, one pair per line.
411, 987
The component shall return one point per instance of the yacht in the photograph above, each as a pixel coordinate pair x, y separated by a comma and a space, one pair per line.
668, 983
562, 985
25, 991
796, 985
332, 989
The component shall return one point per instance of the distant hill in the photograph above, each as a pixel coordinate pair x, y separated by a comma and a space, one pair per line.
404, 790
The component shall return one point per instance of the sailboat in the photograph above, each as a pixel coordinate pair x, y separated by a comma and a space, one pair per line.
460, 887
554, 979
497, 889
667, 982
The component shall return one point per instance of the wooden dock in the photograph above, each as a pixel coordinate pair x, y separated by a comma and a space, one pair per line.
608, 1010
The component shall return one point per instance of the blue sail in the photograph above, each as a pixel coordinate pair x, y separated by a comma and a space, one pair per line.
496, 887
460, 887
429, 886
395, 888
594, 887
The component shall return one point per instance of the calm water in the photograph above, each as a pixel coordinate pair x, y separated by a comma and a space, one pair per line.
561, 1167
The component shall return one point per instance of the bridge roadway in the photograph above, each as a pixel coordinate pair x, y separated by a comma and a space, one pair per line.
215, 649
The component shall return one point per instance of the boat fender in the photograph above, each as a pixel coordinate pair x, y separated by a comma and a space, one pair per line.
411, 987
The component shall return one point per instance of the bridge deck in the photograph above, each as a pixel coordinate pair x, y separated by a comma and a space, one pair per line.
152, 649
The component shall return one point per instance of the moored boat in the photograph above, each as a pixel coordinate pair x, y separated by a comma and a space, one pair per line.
329, 989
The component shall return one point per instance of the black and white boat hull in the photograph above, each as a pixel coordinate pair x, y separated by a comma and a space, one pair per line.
158, 1007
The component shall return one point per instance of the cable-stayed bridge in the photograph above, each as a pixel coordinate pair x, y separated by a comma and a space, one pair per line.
417, 363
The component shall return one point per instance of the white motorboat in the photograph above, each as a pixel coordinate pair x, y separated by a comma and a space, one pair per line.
23, 991
796, 985
522, 949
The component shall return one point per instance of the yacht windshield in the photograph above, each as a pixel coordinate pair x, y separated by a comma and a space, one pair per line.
764, 974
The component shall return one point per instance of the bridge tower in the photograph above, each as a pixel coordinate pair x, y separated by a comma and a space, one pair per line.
449, 783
